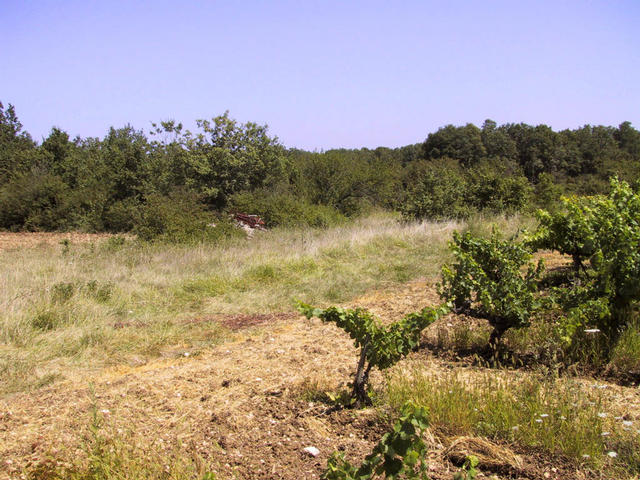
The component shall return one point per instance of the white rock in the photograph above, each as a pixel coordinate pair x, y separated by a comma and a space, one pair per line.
313, 451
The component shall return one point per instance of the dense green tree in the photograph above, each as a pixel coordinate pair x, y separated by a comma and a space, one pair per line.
463, 144
103, 184
496, 141
17, 149
536, 148
628, 138
35, 201
58, 147
124, 154
226, 157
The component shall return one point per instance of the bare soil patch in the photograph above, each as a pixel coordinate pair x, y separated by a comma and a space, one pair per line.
11, 240
244, 320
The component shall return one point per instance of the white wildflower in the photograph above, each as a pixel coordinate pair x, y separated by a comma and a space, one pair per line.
612, 454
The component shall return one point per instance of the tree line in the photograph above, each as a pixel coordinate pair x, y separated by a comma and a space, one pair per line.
173, 182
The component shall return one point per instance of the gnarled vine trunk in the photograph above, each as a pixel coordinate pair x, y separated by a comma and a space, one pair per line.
359, 392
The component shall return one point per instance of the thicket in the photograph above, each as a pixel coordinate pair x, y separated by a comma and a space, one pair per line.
112, 183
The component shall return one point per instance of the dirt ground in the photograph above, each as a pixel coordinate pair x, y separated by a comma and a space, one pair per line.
249, 406
11, 240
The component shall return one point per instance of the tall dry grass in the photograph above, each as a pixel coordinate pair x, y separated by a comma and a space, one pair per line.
69, 309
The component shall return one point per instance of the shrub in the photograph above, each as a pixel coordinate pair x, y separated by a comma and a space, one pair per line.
488, 273
123, 215
437, 194
180, 218
284, 209
491, 189
34, 202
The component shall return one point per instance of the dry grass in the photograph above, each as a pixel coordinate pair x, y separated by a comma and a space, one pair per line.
242, 410
83, 306
559, 416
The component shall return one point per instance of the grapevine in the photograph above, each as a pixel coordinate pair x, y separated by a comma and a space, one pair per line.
380, 345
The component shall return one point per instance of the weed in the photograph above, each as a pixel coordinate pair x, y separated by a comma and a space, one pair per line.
66, 245
115, 243
626, 355
106, 455
62, 292
45, 320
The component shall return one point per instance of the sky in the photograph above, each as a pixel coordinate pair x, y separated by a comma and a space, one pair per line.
321, 74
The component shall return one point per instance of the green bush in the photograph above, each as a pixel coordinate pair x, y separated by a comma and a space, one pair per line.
122, 216
445, 191
491, 189
180, 218
489, 273
35, 202
436, 193
284, 209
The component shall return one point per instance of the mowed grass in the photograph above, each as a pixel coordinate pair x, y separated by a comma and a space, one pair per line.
68, 309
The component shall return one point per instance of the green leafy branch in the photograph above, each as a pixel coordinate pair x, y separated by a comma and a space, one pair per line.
488, 275
380, 345
399, 454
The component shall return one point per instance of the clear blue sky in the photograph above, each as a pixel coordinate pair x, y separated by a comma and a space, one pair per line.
321, 74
